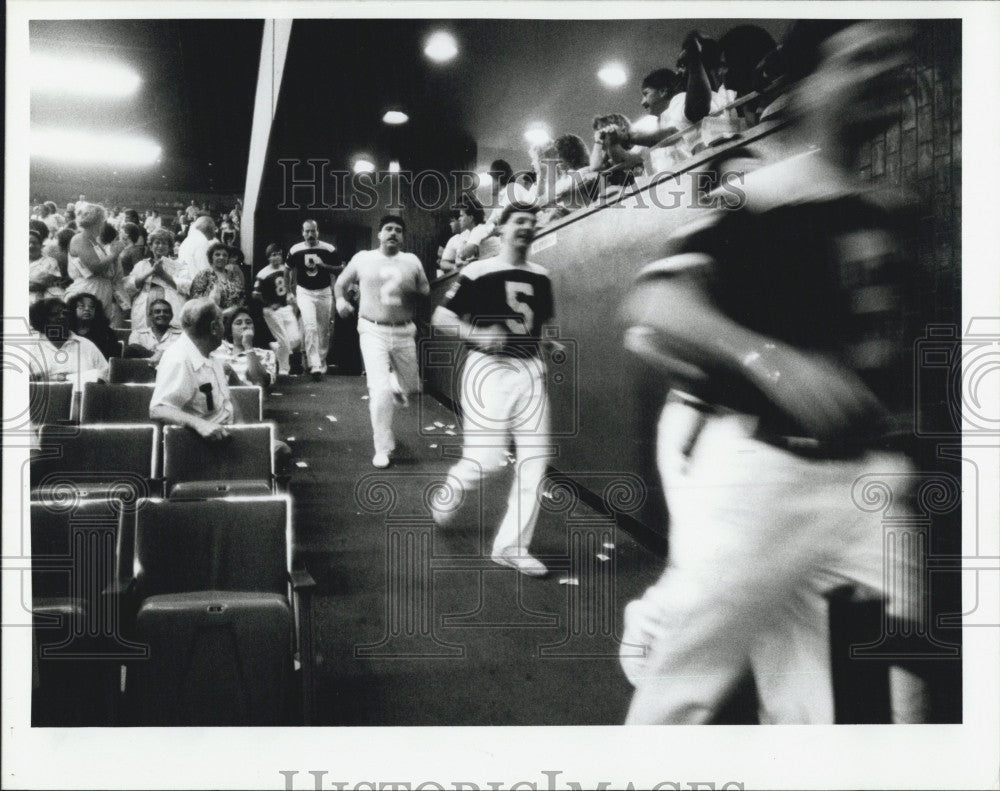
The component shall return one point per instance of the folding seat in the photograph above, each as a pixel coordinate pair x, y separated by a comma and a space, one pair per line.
50, 402
77, 643
216, 602
249, 400
122, 333
125, 370
115, 403
101, 461
194, 467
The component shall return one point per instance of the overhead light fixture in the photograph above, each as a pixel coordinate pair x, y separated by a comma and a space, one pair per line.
395, 117
83, 78
441, 46
394, 166
64, 145
362, 165
613, 75
537, 135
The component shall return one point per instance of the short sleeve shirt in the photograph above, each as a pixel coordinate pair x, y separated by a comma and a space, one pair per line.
193, 383
272, 284
304, 259
518, 298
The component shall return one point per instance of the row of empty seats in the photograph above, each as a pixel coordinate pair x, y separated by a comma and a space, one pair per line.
161, 612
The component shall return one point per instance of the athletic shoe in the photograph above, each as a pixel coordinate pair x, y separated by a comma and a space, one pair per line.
526, 564
380, 460
317, 376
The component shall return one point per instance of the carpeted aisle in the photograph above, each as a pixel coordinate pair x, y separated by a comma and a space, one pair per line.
414, 624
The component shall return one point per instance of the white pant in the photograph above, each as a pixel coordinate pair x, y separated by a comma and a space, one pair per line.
284, 326
316, 307
757, 536
504, 398
389, 352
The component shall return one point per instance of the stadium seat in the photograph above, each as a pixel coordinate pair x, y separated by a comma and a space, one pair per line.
249, 401
103, 461
194, 467
76, 636
50, 402
215, 599
115, 403
122, 333
131, 371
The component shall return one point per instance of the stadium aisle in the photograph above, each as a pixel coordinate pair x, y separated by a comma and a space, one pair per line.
458, 640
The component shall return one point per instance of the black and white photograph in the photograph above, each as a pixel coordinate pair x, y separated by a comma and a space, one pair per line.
484, 395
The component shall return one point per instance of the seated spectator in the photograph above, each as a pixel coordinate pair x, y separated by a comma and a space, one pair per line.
61, 355
566, 181
472, 218
191, 384
152, 221
44, 277
449, 257
58, 250
93, 263
218, 283
157, 336
270, 289
39, 227
157, 277
245, 364
88, 320
609, 133
192, 387
135, 247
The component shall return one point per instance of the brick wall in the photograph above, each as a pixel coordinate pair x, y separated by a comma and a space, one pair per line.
922, 153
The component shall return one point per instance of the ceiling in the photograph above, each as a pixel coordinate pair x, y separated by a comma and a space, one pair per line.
341, 75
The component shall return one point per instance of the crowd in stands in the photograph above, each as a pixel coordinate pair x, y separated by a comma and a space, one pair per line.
716, 90
114, 284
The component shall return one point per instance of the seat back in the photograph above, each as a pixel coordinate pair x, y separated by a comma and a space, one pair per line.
126, 370
122, 333
244, 459
116, 459
232, 544
115, 403
49, 402
249, 400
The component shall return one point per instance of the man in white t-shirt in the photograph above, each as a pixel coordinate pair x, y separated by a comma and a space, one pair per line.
455, 242
192, 388
194, 249
390, 283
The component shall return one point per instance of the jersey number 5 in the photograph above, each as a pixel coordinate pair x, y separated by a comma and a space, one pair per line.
516, 293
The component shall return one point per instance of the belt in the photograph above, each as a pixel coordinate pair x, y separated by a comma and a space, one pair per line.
388, 323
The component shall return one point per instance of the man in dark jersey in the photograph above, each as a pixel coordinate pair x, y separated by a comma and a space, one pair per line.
782, 327
270, 288
314, 266
500, 306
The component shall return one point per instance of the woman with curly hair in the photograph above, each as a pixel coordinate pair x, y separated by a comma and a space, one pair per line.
219, 283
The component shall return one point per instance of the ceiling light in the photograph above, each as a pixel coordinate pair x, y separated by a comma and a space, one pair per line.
395, 117
394, 166
362, 165
87, 148
83, 78
537, 135
613, 75
441, 47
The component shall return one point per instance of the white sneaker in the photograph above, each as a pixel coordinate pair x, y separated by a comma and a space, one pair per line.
526, 564
380, 460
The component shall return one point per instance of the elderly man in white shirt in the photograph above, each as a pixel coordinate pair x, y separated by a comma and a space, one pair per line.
191, 386
194, 249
